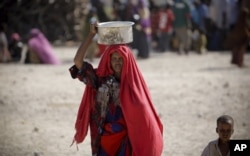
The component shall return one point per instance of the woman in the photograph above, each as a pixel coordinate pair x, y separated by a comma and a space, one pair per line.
116, 104
238, 39
40, 50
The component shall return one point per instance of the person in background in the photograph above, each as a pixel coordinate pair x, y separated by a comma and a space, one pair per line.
165, 27
199, 15
182, 25
4, 52
40, 50
140, 14
154, 27
16, 47
220, 146
116, 104
140, 41
223, 13
105, 10
199, 42
238, 39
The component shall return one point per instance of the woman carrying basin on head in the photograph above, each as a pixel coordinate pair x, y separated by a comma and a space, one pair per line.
116, 104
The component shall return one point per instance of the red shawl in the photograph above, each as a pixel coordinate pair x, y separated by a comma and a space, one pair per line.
145, 129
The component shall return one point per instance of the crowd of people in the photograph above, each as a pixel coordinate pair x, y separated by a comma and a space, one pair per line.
203, 25
198, 25
165, 25
180, 25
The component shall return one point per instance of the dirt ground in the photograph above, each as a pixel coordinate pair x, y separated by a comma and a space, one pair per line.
39, 103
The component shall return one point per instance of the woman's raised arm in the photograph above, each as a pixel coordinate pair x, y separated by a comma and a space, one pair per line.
81, 52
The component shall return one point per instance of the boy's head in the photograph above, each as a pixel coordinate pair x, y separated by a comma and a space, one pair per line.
225, 127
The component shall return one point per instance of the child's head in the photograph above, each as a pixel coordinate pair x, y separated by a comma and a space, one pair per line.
225, 127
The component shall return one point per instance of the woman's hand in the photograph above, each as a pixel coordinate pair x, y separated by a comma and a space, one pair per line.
93, 28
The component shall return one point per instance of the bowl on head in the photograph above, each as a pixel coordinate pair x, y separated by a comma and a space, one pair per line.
115, 32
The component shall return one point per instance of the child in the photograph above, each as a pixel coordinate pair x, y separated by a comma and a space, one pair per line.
220, 146
165, 27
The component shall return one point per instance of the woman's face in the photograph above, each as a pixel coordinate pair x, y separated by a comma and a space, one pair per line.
116, 62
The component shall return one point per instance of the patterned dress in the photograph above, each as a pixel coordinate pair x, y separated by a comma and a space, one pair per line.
119, 112
108, 128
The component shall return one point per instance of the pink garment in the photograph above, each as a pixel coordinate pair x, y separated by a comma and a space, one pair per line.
39, 44
15, 37
145, 129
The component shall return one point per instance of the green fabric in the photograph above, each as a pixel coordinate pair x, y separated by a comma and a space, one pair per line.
181, 14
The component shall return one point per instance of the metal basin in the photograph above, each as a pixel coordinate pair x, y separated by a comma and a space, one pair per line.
115, 32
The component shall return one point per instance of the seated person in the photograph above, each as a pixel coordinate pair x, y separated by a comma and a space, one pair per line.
16, 47
40, 50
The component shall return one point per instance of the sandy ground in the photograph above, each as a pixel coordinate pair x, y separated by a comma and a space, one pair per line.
39, 103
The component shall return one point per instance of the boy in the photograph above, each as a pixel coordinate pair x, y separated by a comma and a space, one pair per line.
220, 146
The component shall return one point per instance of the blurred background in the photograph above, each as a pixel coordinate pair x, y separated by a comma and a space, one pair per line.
64, 20
189, 75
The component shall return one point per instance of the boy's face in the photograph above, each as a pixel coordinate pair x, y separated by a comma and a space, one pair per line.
224, 131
